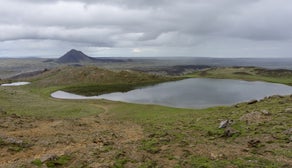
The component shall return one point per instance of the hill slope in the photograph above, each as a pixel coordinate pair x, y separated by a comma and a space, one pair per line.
91, 80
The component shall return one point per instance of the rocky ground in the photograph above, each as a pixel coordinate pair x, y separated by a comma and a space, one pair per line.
95, 141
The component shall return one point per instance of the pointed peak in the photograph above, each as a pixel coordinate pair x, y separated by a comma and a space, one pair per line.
73, 50
74, 56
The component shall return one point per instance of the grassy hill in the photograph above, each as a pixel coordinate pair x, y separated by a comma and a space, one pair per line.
91, 80
70, 75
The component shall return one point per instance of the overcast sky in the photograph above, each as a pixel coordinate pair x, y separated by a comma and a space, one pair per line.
199, 28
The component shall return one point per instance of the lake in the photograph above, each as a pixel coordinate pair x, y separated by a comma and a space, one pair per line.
193, 93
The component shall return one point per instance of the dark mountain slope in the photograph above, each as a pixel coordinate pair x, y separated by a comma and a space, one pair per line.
75, 56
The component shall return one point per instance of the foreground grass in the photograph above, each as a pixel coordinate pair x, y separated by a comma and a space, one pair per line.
24, 101
192, 138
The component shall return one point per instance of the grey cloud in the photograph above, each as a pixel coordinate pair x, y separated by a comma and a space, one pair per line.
265, 20
133, 3
155, 23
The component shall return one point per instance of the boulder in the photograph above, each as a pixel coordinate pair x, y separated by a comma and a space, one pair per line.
288, 131
229, 132
265, 112
11, 140
216, 156
237, 105
255, 117
288, 110
14, 116
225, 123
253, 143
252, 102
48, 157
2, 112
277, 96
282, 102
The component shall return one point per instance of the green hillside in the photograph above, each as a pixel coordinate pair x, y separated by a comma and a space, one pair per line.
91, 80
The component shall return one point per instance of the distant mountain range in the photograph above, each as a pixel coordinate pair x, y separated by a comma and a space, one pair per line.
75, 56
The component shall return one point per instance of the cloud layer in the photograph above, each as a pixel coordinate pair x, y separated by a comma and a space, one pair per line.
158, 27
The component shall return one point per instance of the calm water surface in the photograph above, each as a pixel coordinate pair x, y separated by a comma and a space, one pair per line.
193, 93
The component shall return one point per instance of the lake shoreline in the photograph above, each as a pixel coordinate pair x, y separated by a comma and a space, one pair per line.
193, 93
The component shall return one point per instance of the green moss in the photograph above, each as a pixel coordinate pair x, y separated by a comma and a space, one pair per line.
150, 145
284, 152
119, 163
204, 162
15, 148
1, 142
148, 164
37, 162
59, 161
254, 162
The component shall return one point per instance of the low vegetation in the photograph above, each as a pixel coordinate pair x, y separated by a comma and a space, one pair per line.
24, 101
101, 133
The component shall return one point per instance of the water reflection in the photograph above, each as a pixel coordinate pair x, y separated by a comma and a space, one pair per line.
197, 93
